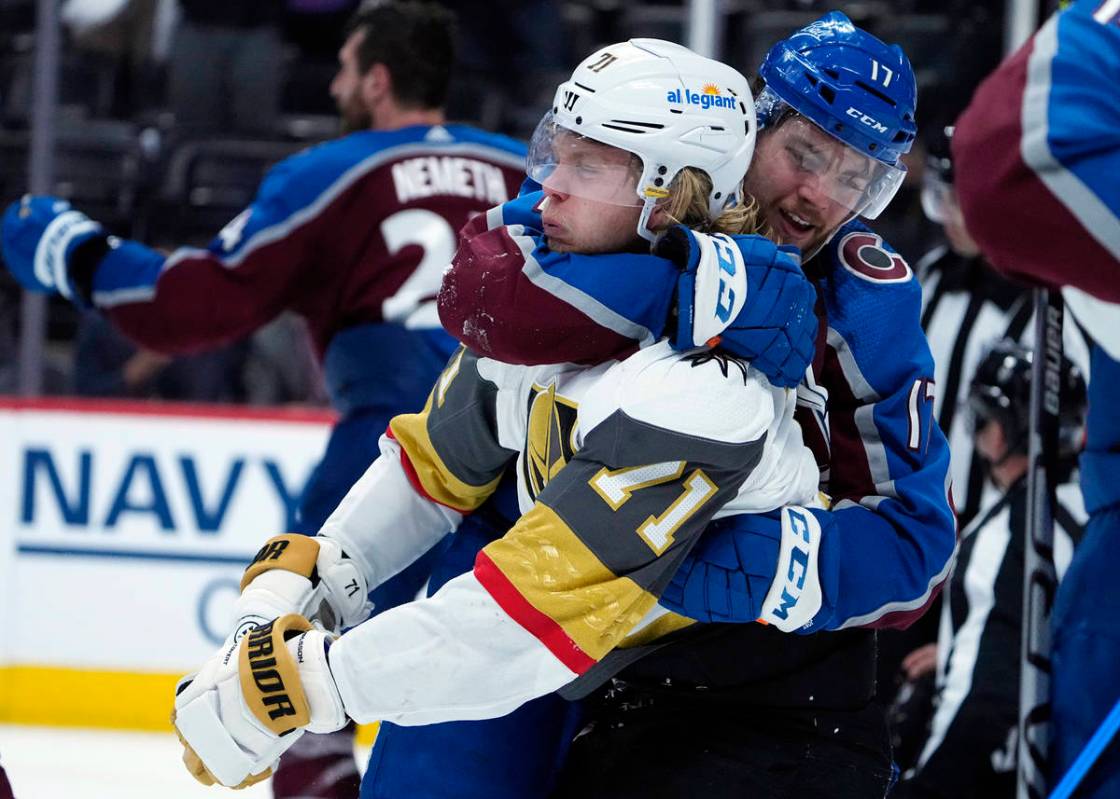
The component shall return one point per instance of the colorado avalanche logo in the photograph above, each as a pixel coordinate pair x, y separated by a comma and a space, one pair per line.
863, 254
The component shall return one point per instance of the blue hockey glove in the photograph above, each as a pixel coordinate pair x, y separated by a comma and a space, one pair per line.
754, 567
727, 574
42, 241
748, 294
521, 210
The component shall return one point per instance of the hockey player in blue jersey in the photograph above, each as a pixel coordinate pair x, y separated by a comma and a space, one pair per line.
868, 414
836, 112
352, 235
1038, 158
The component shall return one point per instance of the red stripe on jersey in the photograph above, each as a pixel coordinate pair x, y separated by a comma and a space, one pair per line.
854, 480
540, 626
900, 620
188, 410
414, 479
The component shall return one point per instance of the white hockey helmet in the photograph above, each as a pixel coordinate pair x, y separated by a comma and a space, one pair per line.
661, 102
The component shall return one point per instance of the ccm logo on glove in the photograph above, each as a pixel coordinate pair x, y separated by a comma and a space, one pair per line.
795, 596
725, 254
798, 565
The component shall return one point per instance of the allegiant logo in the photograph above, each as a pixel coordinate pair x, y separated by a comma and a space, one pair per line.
708, 98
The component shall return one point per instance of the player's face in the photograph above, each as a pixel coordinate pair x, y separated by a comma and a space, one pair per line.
990, 443
346, 88
806, 182
591, 203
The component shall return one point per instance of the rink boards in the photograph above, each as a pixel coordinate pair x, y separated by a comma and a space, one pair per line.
124, 529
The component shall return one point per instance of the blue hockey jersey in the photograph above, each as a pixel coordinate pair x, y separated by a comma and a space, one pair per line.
865, 409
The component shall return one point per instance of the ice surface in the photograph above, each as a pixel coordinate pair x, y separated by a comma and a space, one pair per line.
59, 763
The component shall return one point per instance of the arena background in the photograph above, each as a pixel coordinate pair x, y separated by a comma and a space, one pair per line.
125, 518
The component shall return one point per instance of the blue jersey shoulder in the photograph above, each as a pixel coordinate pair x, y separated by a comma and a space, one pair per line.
302, 178
1081, 112
496, 141
302, 184
1102, 12
873, 301
857, 252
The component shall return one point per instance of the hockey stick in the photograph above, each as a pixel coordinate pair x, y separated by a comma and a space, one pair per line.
1040, 580
1089, 754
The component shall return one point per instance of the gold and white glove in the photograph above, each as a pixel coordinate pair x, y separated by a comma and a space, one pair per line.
309, 576
253, 700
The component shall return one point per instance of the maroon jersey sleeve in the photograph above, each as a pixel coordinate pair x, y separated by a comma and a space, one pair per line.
1037, 158
357, 230
510, 297
490, 302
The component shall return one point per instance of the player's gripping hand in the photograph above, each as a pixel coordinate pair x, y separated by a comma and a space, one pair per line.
523, 209
753, 567
749, 294
310, 576
253, 700
42, 239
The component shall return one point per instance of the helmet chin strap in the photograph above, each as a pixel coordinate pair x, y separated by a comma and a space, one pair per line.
649, 204
643, 221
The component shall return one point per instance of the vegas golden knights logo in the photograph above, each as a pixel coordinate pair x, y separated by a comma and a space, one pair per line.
549, 437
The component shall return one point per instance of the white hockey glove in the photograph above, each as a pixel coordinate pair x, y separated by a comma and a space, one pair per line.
253, 700
309, 576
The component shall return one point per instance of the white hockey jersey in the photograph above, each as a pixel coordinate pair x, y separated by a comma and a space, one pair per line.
619, 469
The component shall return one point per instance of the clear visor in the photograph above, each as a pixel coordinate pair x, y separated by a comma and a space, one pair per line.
939, 201
566, 162
849, 178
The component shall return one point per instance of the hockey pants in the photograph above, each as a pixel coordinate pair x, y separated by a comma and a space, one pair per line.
513, 757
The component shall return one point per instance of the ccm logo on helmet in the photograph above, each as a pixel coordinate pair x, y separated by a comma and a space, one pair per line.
870, 122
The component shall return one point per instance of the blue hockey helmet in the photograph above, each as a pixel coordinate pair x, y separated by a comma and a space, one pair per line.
851, 85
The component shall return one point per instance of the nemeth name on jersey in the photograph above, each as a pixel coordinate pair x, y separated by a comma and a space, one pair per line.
430, 175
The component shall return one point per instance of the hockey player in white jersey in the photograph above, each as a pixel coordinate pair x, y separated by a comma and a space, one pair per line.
619, 466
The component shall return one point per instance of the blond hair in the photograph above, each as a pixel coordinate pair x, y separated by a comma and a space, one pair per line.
687, 204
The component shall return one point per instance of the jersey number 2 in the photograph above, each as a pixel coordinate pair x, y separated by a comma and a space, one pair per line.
434, 235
